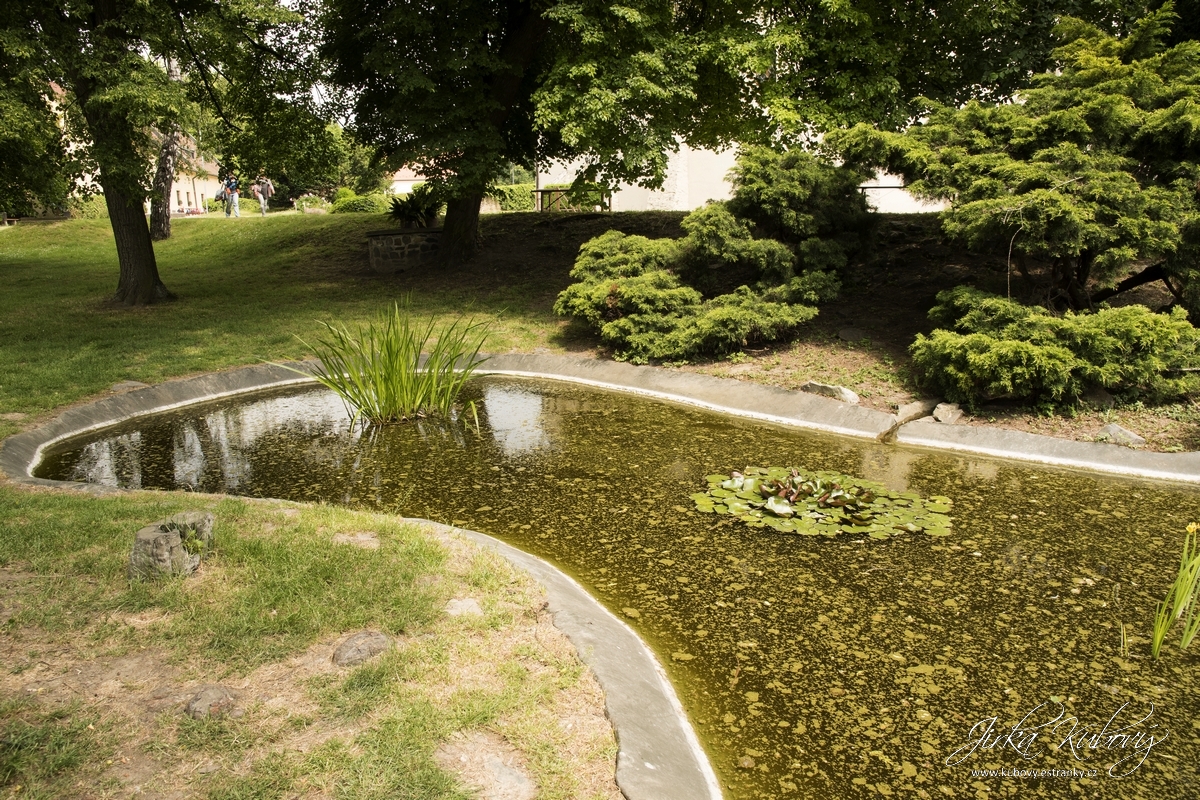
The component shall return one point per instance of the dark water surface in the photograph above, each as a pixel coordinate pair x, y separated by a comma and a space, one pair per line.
812, 667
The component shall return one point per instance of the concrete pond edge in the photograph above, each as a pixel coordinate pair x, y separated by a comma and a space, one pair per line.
660, 756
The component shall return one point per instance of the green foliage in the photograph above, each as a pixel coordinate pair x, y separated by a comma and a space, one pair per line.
1094, 169
36, 170
997, 348
417, 209
360, 204
723, 287
344, 193
798, 199
381, 372
91, 207
821, 503
1183, 598
514, 197
309, 201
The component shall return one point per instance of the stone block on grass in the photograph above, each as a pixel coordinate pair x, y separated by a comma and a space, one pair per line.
172, 546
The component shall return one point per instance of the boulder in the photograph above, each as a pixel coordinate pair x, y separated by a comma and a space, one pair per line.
836, 392
1114, 433
948, 413
210, 701
915, 410
361, 647
173, 546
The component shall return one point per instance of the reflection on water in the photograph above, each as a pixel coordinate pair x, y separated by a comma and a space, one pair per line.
812, 668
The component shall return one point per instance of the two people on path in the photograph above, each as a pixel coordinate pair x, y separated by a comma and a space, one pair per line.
262, 189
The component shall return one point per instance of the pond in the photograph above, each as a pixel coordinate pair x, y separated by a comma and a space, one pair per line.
811, 667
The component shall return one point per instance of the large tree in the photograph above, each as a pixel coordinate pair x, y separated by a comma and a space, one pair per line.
107, 56
1095, 168
460, 88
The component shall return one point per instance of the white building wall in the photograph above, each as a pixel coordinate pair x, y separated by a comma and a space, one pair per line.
694, 177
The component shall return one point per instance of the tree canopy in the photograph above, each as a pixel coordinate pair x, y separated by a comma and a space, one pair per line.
1095, 168
242, 58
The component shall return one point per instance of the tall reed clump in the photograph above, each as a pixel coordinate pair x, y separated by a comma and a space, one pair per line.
1181, 599
379, 372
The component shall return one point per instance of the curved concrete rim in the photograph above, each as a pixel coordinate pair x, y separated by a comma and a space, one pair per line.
659, 756
20, 454
646, 750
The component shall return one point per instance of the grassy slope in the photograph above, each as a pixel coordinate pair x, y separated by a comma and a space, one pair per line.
245, 286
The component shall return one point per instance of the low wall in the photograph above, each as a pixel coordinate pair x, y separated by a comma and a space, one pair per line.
398, 250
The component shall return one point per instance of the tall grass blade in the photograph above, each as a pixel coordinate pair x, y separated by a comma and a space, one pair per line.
394, 368
1181, 599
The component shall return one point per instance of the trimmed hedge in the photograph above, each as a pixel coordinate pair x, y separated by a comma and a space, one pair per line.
513, 197
992, 348
361, 204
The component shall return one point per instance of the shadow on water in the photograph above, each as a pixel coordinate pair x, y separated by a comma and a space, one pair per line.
812, 667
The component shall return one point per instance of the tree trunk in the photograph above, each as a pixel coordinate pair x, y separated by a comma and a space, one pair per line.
1148, 275
139, 283
160, 191
460, 232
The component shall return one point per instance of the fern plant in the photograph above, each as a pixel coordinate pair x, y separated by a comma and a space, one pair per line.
417, 209
396, 368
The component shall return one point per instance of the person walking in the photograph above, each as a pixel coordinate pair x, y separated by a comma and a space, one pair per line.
263, 190
231, 195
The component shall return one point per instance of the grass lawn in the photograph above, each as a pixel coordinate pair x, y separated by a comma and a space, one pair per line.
97, 669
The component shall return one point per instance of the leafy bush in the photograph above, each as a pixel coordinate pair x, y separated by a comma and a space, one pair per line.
514, 197
92, 207
307, 201
379, 372
344, 193
723, 285
212, 206
813, 206
998, 348
417, 209
629, 291
361, 204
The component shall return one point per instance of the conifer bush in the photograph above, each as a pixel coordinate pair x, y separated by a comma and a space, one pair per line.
747, 271
990, 348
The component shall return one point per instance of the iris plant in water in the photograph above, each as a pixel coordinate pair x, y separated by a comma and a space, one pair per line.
396, 368
1182, 597
790, 500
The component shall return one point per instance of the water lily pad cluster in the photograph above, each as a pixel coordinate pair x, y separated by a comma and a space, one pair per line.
822, 503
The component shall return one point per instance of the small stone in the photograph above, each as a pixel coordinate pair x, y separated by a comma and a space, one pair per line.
915, 410
746, 762
1114, 433
851, 335
948, 413
467, 606
127, 386
361, 647
836, 392
208, 767
211, 701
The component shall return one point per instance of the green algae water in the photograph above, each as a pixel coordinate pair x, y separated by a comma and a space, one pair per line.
1008, 658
